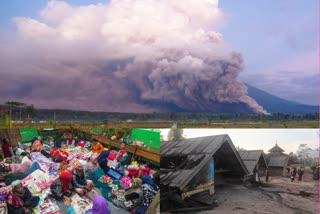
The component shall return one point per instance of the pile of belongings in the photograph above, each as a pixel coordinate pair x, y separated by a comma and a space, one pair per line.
112, 184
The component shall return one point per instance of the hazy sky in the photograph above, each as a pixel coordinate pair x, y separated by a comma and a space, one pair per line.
97, 55
253, 139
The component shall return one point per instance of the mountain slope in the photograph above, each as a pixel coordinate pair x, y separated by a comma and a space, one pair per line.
275, 104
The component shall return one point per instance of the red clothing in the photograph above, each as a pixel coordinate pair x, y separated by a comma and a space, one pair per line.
69, 141
81, 143
65, 179
6, 151
121, 153
145, 171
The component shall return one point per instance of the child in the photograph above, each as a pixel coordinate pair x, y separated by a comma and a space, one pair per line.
49, 144
80, 183
121, 157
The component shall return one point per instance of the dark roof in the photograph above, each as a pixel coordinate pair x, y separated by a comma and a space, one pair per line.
200, 145
276, 149
281, 161
250, 158
196, 152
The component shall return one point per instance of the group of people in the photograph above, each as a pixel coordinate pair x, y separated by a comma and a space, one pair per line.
294, 172
20, 200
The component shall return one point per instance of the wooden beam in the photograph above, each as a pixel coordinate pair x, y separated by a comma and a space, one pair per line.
148, 153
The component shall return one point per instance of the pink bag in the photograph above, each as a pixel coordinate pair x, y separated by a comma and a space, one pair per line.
112, 155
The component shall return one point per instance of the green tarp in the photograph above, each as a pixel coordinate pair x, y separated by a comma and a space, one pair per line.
27, 134
149, 137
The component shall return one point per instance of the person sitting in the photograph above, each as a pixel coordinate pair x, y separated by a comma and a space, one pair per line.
7, 148
20, 199
92, 164
133, 196
62, 186
70, 141
80, 183
100, 205
121, 157
149, 190
49, 144
103, 162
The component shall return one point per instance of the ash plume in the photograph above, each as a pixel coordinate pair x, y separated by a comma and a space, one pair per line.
122, 55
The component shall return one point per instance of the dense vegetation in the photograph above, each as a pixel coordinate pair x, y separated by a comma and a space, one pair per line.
20, 111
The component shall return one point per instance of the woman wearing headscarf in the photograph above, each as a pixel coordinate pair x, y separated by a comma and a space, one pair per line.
149, 190
20, 199
92, 164
62, 186
133, 196
100, 205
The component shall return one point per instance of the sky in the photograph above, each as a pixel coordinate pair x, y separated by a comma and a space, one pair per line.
279, 43
120, 55
257, 139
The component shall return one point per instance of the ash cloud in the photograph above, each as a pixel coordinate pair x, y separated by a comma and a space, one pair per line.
121, 55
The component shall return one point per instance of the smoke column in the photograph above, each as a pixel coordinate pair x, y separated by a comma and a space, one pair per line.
121, 55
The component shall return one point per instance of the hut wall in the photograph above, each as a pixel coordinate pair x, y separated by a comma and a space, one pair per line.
276, 171
12, 134
261, 167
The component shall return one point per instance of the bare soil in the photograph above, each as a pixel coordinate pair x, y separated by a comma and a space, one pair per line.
279, 195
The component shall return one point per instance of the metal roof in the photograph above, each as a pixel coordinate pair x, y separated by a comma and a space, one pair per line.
281, 161
195, 150
201, 145
250, 158
276, 149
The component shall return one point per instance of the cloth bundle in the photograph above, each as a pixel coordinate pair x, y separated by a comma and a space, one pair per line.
80, 205
105, 179
73, 164
125, 182
97, 148
44, 162
46, 206
37, 181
